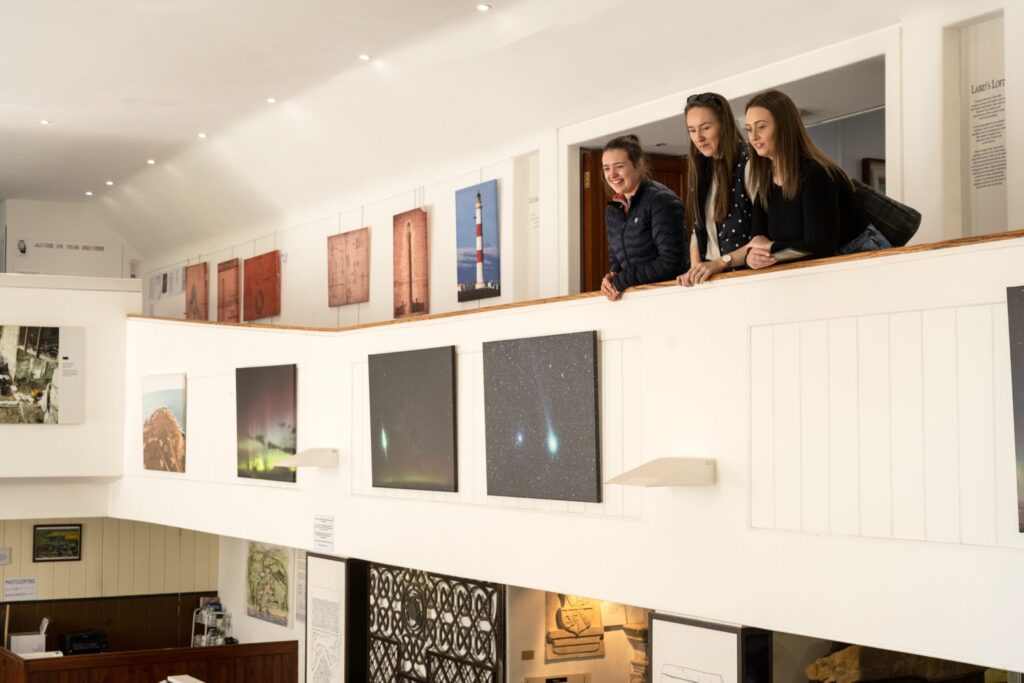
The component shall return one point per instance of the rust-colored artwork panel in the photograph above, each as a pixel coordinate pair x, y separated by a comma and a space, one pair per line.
197, 292
348, 268
227, 291
412, 284
262, 291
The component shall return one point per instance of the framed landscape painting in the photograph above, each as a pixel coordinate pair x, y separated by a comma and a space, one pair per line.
163, 432
411, 276
56, 542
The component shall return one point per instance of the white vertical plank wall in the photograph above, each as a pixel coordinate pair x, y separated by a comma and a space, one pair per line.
895, 435
119, 557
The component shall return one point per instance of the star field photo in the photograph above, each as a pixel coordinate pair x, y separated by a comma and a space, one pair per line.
542, 426
412, 419
1015, 311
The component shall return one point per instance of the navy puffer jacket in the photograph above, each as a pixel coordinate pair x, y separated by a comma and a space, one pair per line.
648, 243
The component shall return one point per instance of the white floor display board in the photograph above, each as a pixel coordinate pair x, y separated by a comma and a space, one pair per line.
325, 619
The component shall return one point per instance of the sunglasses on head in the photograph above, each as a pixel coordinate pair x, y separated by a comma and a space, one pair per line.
704, 97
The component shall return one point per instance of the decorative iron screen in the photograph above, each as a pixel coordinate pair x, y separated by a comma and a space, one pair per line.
434, 628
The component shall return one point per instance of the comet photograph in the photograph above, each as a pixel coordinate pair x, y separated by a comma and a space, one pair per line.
542, 426
412, 419
1015, 309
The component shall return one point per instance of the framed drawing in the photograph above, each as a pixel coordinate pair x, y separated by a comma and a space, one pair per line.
197, 294
268, 572
325, 618
56, 542
227, 291
261, 295
872, 172
348, 268
683, 649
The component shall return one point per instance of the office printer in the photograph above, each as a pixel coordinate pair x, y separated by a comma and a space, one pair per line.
83, 642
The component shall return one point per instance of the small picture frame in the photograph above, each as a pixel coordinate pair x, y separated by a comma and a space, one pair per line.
872, 173
683, 649
56, 542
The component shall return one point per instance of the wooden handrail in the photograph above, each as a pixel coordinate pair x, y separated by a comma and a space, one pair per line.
794, 265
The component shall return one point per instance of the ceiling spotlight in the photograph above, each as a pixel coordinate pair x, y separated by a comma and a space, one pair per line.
88, 193
271, 100
202, 136
365, 57
44, 122
483, 8
151, 162
109, 183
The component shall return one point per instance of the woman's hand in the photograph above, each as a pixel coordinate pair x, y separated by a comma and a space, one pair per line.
608, 288
760, 242
700, 271
758, 257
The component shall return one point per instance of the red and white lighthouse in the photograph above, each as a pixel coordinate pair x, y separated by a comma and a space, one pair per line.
479, 242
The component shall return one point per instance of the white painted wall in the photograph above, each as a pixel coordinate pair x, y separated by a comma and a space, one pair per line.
670, 386
74, 223
93, 448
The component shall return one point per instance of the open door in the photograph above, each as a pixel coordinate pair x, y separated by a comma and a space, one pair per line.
667, 170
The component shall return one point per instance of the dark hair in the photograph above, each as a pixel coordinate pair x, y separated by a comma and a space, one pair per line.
631, 144
792, 146
730, 143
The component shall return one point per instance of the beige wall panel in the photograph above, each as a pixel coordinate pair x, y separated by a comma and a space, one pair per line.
125, 560
111, 533
93, 531
157, 553
201, 563
172, 555
186, 561
141, 559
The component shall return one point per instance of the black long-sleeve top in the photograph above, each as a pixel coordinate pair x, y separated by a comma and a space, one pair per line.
647, 243
823, 216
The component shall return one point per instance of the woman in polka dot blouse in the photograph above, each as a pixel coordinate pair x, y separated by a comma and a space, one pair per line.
718, 207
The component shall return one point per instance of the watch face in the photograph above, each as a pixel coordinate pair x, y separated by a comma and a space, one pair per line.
727, 259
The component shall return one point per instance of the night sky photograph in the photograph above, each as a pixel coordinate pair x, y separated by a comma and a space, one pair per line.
1015, 308
265, 400
412, 419
540, 400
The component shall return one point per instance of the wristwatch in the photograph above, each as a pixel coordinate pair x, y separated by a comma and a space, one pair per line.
727, 260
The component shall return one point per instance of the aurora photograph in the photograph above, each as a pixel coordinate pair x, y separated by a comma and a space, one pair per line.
540, 401
1015, 309
412, 419
265, 408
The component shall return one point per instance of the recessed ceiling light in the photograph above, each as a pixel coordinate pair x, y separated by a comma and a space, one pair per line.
202, 136
88, 193
151, 162
44, 122
109, 183
365, 57
271, 100
483, 8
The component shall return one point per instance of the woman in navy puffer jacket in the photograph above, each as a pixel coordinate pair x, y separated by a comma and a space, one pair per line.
644, 220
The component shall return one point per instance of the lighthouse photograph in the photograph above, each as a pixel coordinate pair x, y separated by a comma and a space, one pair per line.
476, 238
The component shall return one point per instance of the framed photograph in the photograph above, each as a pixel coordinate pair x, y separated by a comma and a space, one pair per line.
872, 173
690, 650
56, 542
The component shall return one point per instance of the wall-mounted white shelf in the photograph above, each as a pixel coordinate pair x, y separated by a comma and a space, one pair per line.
312, 457
669, 472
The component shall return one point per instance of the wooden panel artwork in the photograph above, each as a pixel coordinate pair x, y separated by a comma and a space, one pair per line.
197, 292
262, 291
411, 277
227, 291
348, 268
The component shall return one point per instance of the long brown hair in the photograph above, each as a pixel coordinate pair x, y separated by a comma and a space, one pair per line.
792, 146
730, 142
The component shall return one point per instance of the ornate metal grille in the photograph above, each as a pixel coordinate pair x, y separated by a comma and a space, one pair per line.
434, 628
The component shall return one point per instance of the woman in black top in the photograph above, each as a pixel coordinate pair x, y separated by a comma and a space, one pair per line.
802, 199
644, 220
718, 208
